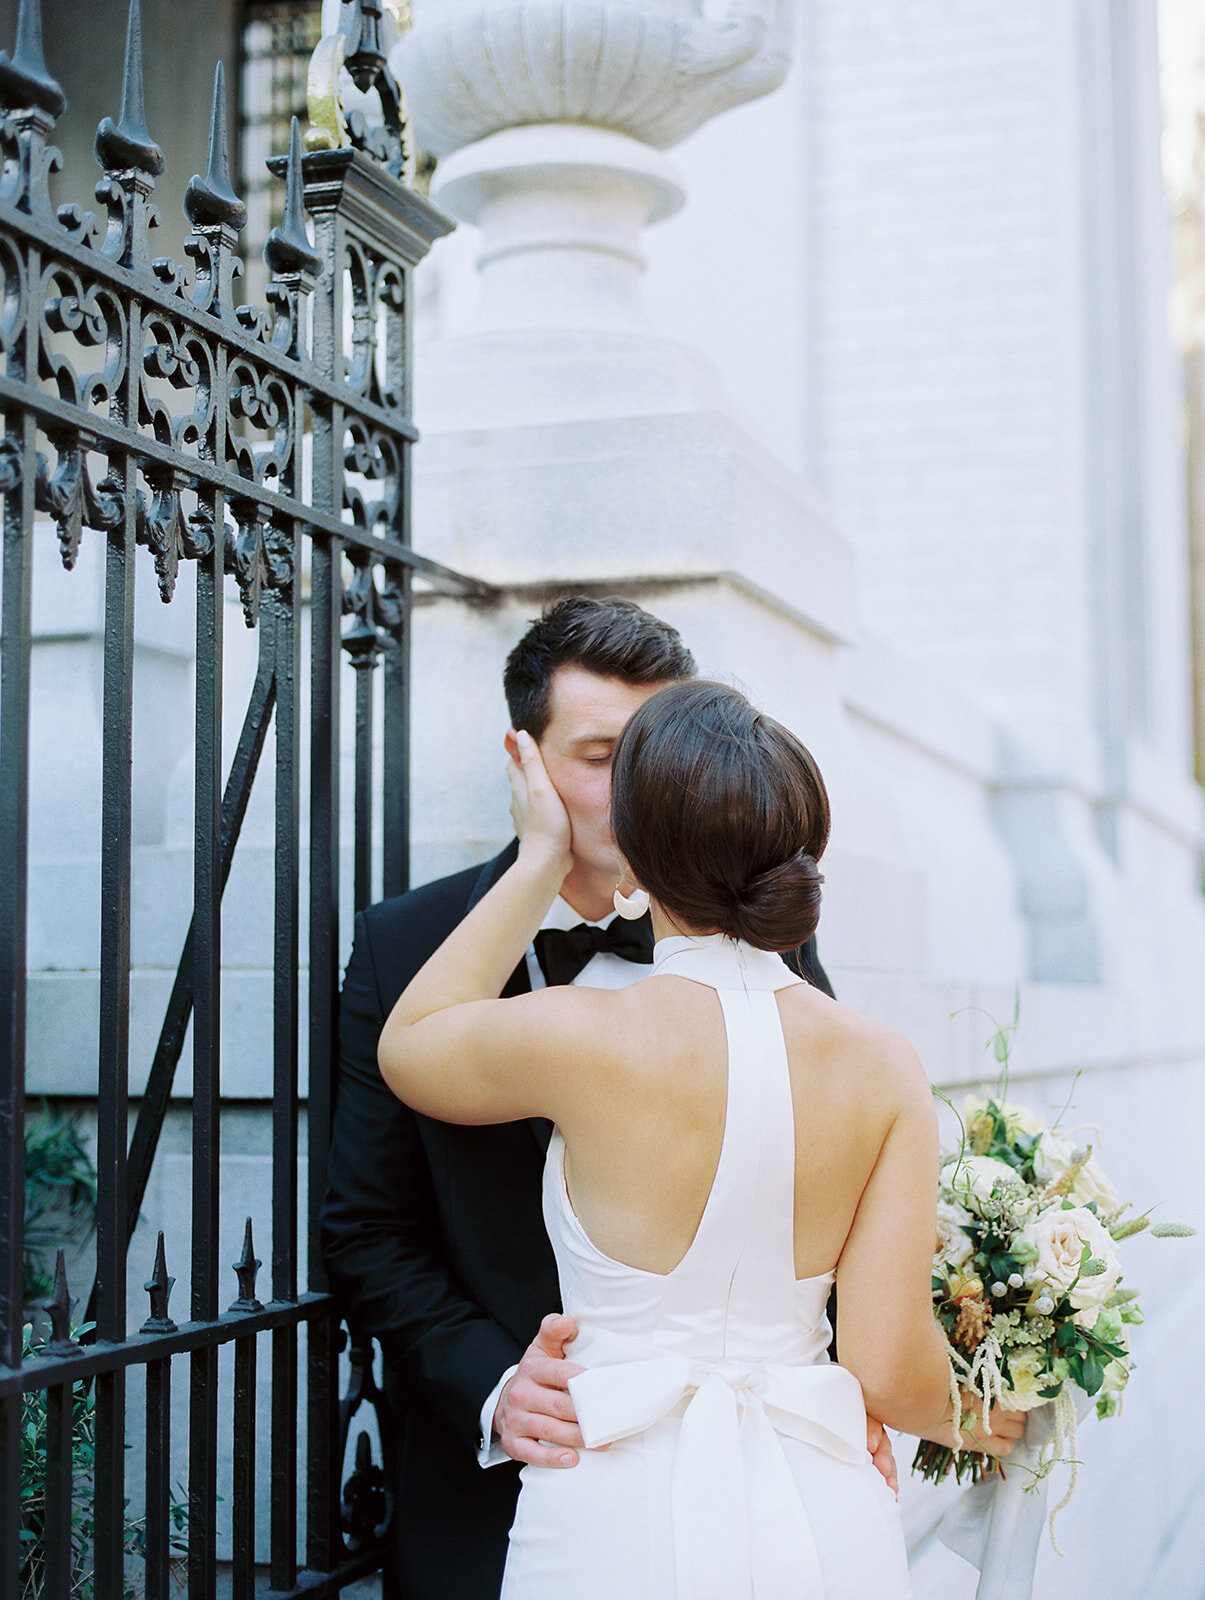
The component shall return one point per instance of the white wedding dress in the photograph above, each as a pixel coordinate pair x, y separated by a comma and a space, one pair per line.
740, 1469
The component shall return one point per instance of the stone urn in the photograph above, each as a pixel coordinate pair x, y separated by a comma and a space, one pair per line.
653, 69
549, 118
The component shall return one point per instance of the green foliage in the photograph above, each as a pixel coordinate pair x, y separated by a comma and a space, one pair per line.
60, 1197
1127, 1230
60, 1208
1000, 1041
33, 1484
83, 1475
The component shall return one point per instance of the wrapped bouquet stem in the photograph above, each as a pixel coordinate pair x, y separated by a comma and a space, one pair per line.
997, 1524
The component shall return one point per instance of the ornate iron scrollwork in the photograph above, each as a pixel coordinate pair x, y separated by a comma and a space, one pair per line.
69, 496
377, 616
260, 556
360, 46
141, 403
367, 1504
10, 465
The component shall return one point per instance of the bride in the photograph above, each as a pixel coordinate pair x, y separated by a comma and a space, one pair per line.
728, 1141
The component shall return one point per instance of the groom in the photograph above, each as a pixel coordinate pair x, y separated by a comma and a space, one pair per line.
432, 1234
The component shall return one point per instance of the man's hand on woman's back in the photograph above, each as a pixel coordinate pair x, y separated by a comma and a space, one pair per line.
534, 1420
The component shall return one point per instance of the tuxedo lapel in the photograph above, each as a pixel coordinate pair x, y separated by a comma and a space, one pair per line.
541, 1131
490, 873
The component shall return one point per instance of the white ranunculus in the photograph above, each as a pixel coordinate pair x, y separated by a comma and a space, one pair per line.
1091, 1186
1051, 1159
1052, 1156
953, 1245
1023, 1120
1020, 1119
1027, 1375
974, 1179
1058, 1238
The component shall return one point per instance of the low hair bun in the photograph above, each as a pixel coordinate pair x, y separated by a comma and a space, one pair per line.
721, 814
778, 909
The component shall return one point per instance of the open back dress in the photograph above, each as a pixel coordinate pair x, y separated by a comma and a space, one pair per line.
738, 1467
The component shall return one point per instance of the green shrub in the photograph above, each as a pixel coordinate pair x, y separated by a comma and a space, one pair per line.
60, 1209
60, 1197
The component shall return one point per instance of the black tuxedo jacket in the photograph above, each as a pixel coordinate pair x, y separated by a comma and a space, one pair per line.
434, 1242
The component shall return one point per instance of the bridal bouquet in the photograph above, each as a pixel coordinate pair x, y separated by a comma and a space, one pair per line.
1027, 1278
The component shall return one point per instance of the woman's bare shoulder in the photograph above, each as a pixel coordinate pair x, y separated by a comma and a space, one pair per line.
866, 1049
600, 1021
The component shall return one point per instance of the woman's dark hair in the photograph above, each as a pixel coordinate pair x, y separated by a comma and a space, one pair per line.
721, 814
612, 637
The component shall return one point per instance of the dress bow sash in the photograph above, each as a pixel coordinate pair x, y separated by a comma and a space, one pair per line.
741, 1530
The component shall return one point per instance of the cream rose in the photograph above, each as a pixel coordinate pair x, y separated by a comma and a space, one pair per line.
974, 1179
1057, 1239
953, 1246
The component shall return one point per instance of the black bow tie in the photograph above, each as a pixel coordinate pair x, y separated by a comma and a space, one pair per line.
562, 954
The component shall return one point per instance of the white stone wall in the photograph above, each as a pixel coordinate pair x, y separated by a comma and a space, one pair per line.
930, 274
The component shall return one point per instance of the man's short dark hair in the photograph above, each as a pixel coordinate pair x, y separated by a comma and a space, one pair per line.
611, 637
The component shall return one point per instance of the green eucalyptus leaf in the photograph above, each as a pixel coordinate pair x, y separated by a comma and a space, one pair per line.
1093, 1375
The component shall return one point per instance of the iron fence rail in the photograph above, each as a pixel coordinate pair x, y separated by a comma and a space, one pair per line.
142, 404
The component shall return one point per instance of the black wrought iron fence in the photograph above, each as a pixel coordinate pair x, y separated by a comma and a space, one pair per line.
144, 407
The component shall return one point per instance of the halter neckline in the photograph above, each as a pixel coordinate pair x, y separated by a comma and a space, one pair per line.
721, 961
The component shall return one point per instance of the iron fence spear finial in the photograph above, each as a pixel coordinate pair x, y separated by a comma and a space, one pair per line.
288, 249
24, 77
210, 201
216, 214
245, 1269
127, 142
34, 102
59, 1308
159, 1287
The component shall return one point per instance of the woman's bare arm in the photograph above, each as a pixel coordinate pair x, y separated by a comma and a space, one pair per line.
887, 1334
450, 1047
475, 960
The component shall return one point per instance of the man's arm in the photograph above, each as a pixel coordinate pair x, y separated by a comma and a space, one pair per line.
380, 1228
